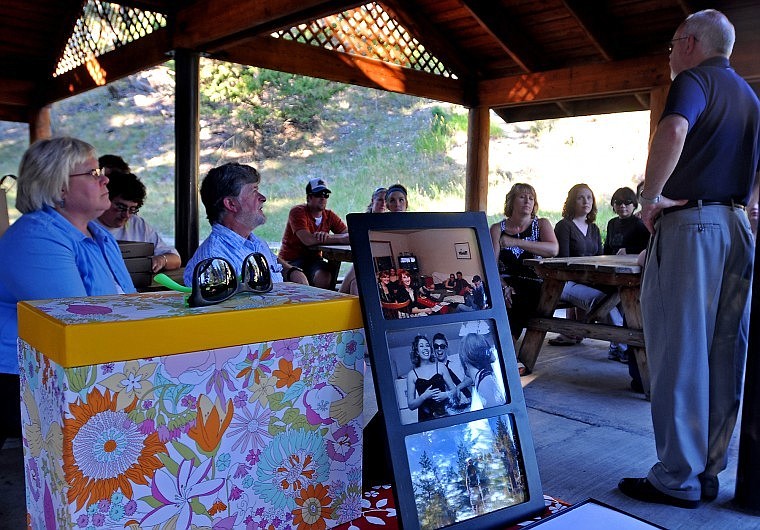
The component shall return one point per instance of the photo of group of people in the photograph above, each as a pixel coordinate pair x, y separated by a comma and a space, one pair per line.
466, 470
445, 369
414, 278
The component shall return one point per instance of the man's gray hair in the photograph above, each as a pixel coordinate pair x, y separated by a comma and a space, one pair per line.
713, 29
225, 181
44, 171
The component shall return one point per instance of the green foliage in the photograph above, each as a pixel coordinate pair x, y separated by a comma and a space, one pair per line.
438, 138
264, 99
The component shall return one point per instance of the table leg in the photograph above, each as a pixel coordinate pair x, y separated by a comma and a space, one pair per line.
551, 290
629, 297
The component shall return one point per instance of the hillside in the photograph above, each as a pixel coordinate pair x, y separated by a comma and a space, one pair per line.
363, 139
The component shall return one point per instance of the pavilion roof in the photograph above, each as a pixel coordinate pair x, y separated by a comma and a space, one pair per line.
526, 59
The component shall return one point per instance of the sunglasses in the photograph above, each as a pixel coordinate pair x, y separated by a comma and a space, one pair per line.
323, 194
439, 346
214, 280
618, 202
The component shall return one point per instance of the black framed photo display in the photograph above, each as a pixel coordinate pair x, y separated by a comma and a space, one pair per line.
445, 371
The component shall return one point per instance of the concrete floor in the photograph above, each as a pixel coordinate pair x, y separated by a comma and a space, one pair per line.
589, 430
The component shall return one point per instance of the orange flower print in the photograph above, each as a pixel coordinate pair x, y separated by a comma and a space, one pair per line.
104, 451
313, 508
217, 507
210, 426
286, 375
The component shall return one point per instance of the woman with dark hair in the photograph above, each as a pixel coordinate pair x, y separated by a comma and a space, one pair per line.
626, 233
406, 293
55, 249
578, 235
395, 198
519, 236
477, 360
428, 384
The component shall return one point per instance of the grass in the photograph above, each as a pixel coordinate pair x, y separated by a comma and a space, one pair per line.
366, 138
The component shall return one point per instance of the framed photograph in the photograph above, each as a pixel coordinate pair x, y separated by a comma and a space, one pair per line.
445, 371
462, 250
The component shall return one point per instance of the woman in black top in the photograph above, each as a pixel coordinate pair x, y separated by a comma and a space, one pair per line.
519, 236
578, 235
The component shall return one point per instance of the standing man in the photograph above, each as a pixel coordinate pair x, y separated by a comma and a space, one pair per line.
309, 225
234, 207
701, 171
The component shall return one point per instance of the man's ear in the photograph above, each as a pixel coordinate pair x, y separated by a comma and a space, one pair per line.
230, 204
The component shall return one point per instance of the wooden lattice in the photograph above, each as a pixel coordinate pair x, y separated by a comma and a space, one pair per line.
103, 27
371, 32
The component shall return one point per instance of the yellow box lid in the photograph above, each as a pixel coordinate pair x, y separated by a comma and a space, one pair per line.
101, 329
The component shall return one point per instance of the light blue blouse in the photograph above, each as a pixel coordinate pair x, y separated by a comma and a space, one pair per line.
225, 243
42, 255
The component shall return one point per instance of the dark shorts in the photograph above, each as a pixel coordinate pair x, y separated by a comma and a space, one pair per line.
311, 266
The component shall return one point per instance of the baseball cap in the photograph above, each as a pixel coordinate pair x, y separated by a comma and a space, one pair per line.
316, 185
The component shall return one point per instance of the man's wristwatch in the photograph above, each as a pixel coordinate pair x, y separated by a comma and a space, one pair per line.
290, 271
647, 200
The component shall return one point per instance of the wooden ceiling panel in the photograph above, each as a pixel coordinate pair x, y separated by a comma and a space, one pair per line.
596, 55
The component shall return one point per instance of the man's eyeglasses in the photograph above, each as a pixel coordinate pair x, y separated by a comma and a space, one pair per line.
123, 208
323, 194
440, 346
670, 46
619, 202
214, 280
96, 173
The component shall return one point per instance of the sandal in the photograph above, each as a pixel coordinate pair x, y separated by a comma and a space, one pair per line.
521, 369
564, 340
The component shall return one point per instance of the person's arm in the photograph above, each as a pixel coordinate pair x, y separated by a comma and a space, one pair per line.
664, 153
607, 246
291, 273
167, 262
562, 233
598, 234
547, 245
495, 231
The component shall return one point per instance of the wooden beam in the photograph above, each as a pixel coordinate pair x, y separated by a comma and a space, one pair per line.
210, 26
588, 107
304, 59
39, 124
478, 139
409, 16
143, 53
17, 91
14, 113
588, 81
496, 20
595, 24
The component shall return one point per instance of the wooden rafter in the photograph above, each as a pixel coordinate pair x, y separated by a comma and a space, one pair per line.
494, 18
294, 57
595, 25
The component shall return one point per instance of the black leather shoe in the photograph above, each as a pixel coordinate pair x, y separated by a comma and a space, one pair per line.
710, 487
642, 490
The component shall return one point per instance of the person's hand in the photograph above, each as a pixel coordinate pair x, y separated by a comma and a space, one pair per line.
651, 211
321, 237
508, 292
157, 263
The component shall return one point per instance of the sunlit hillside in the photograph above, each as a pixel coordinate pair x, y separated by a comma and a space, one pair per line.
364, 138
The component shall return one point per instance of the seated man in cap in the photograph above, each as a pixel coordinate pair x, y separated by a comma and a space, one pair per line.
309, 225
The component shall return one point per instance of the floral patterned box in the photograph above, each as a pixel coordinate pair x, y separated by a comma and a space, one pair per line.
142, 413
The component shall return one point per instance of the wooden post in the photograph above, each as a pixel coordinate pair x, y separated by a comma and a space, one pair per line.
476, 180
39, 124
187, 152
747, 494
